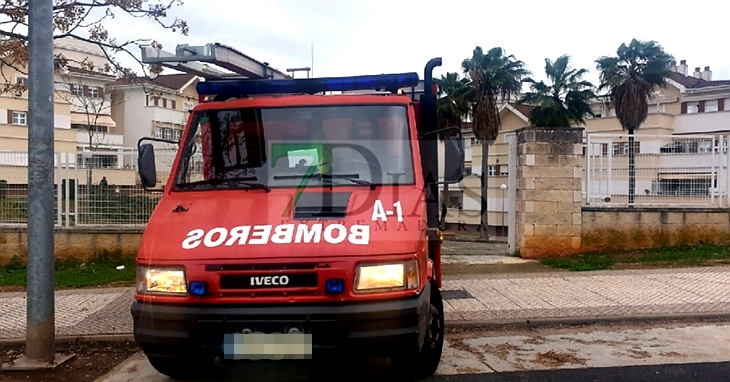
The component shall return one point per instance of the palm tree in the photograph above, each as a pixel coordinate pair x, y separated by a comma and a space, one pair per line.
493, 75
452, 106
565, 101
630, 78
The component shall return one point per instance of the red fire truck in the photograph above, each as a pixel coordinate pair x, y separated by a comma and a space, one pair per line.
300, 217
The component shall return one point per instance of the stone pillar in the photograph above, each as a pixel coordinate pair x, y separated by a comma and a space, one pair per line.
549, 197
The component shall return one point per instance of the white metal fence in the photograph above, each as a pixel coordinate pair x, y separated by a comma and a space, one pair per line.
103, 188
91, 188
681, 171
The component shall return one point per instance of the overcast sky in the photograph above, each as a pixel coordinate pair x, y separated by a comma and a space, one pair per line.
353, 37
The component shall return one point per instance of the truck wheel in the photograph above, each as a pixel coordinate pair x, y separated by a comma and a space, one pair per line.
179, 368
425, 363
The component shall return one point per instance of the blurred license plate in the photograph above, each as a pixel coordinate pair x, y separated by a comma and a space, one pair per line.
239, 346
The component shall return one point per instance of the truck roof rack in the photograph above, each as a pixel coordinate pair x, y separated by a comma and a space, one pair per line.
246, 76
197, 60
249, 87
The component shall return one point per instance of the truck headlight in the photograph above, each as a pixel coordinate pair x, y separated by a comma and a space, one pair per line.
376, 277
163, 280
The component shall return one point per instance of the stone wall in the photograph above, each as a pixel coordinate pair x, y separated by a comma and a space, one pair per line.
549, 199
80, 243
616, 229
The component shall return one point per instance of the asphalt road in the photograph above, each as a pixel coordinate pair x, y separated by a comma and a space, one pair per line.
689, 372
659, 352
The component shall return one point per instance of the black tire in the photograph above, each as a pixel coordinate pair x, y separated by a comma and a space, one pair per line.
181, 368
424, 364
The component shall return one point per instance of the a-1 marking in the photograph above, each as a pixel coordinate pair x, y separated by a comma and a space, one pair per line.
379, 213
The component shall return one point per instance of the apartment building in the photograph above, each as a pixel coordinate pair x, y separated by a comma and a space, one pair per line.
691, 103
156, 106
82, 110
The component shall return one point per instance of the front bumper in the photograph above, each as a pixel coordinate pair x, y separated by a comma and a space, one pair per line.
384, 328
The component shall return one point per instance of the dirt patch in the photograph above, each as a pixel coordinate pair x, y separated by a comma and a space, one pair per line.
12, 288
557, 359
633, 353
502, 350
468, 370
91, 361
534, 341
639, 354
672, 354
592, 342
459, 344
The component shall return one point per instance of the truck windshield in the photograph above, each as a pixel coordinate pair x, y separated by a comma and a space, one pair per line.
267, 148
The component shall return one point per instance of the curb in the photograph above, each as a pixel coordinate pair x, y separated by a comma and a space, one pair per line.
558, 322
75, 338
453, 326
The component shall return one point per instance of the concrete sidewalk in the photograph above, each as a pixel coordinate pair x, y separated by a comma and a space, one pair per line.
468, 298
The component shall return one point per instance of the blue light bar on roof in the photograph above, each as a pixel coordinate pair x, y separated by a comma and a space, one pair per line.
239, 88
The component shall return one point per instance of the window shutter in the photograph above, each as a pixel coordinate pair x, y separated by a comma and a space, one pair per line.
10, 117
101, 91
173, 104
86, 91
684, 108
721, 104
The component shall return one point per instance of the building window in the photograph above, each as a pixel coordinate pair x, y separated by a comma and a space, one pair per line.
187, 106
21, 80
455, 199
491, 170
168, 133
704, 146
93, 92
693, 108
153, 100
158, 132
622, 148
176, 135
503, 171
710, 106
20, 118
77, 90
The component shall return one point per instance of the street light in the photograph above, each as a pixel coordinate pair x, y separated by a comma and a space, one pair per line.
503, 187
86, 155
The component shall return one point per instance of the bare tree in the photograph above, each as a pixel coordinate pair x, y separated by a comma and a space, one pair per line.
76, 92
84, 21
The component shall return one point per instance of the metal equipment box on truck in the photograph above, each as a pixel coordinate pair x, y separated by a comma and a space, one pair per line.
298, 219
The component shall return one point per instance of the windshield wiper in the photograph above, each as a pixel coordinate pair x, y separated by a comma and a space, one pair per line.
247, 181
351, 178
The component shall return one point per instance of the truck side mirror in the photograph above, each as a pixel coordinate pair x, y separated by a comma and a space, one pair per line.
454, 159
146, 165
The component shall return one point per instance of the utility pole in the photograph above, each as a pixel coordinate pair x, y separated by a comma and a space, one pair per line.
40, 332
